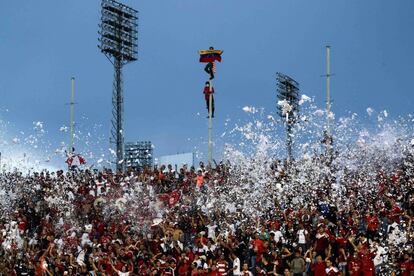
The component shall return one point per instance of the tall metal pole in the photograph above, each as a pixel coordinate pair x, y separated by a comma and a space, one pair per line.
210, 125
117, 121
72, 103
328, 92
289, 129
118, 103
289, 141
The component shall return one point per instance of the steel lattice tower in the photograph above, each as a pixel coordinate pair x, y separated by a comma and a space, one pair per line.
288, 90
118, 41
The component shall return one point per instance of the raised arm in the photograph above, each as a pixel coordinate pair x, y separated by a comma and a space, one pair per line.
95, 269
351, 241
328, 256
114, 268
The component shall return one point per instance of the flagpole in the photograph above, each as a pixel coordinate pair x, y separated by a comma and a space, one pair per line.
328, 138
210, 56
72, 103
328, 92
210, 124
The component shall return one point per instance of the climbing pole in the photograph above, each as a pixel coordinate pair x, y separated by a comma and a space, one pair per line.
210, 57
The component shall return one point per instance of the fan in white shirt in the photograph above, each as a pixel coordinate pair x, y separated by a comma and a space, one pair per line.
211, 233
236, 265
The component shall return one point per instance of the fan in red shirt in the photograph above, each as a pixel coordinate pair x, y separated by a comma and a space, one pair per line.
22, 223
258, 246
184, 264
330, 270
340, 239
354, 265
407, 266
222, 266
322, 241
366, 257
395, 214
318, 267
105, 264
209, 90
372, 225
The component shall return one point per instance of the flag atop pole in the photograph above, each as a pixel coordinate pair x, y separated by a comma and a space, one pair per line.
210, 55
72, 103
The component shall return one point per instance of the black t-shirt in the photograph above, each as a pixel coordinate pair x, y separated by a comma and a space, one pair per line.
269, 267
24, 270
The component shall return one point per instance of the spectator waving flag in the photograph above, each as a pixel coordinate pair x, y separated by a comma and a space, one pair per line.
75, 160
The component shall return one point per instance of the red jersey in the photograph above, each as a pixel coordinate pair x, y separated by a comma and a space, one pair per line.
184, 268
22, 225
367, 265
341, 241
318, 269
322, 242
107, 266
332, 271
207, 91
222, 267
372, 223
407, 268
258, 246
395, 214
354, 267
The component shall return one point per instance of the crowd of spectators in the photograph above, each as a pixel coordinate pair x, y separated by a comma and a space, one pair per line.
89, 222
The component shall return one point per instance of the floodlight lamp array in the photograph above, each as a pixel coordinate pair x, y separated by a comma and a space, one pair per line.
288, 90
118, 31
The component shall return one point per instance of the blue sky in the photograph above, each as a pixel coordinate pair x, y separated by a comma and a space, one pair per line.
44, 43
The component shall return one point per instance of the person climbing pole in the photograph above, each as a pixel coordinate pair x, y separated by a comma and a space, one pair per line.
208, 89
210, 66
210, 56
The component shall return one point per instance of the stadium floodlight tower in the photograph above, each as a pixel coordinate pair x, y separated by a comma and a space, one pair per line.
288, 105
118, 41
